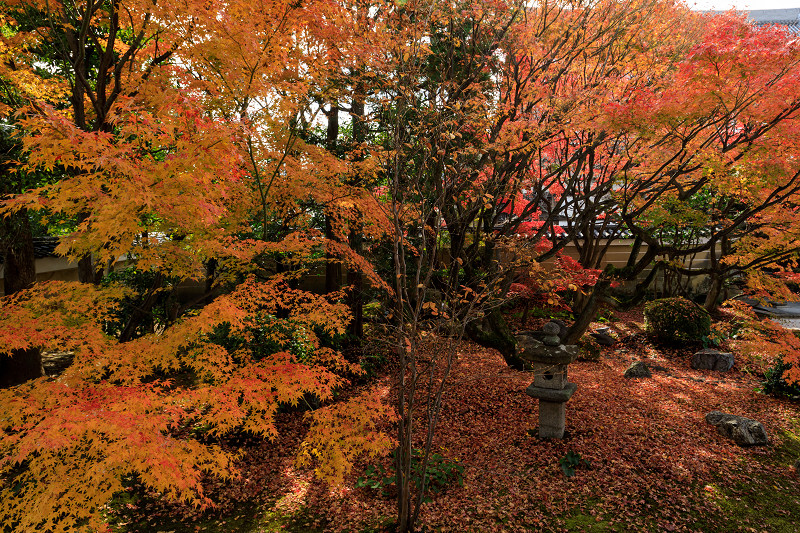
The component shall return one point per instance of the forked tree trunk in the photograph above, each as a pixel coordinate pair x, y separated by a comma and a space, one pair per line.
588, 312
142, 310
493, 332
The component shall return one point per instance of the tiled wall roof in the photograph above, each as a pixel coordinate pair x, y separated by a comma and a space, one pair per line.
42, 247
785, 17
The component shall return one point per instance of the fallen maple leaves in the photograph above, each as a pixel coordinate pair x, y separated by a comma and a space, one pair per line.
653, 457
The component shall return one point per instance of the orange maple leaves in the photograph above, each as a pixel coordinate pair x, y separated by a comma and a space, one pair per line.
109, 415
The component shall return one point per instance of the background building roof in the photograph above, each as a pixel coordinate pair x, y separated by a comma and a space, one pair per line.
42, 247
787, 17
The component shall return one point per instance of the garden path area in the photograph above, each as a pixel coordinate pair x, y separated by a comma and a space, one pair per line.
655, 465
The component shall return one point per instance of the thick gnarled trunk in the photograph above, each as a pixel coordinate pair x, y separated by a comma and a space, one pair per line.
19, 272
20, 366
16, 247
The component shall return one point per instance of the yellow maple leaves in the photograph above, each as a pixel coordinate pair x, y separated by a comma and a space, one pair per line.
342, 432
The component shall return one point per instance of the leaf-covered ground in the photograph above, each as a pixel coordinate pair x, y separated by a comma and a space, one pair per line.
655, 465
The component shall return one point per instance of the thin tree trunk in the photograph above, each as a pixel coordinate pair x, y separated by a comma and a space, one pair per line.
333, 268
355, 298
88, 271
634, 255
712, 297
87, 266
354, 277
16, 246
211, 274
141, 311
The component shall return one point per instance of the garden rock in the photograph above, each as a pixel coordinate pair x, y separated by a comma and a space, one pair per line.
562, 327
710, 359
551, 340
603, 339
638, 370
743, 431
551, 328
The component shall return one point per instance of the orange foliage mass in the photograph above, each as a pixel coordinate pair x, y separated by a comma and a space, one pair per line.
185, 147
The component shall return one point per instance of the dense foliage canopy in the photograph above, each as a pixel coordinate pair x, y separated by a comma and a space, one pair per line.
437, 151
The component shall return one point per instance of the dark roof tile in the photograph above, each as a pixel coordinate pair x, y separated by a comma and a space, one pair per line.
42, 247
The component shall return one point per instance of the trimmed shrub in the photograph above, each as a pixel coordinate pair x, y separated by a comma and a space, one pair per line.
676, 320
775, 384
588, 349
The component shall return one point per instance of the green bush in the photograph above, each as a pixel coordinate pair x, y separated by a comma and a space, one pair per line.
774, 383
588, 349
439, 474
141, 282
571, 461
268, 335
676, 320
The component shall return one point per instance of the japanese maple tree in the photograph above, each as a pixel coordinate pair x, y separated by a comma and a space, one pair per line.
159, 168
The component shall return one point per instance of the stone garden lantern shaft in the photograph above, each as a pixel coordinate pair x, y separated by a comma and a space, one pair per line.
549, 360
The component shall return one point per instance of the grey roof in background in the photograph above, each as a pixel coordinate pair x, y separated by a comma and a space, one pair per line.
42, 247
763, 17
784, 17
774, 16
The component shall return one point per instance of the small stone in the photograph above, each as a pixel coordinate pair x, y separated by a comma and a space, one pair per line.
710, 359
551, 340
603, 339
743, 431
562, 327
551, 328
638, 370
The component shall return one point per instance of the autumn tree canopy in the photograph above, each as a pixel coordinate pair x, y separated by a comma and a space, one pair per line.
439, 151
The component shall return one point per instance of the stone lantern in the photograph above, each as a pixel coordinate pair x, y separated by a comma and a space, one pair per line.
549, 360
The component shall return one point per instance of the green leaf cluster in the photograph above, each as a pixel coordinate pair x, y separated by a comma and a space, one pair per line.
676, 320
571, 461
440, 473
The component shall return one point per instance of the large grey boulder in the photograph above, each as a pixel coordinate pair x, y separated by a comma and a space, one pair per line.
743, 431
638, 369
710, 359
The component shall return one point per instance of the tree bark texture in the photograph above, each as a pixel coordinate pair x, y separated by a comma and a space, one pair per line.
19, 272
